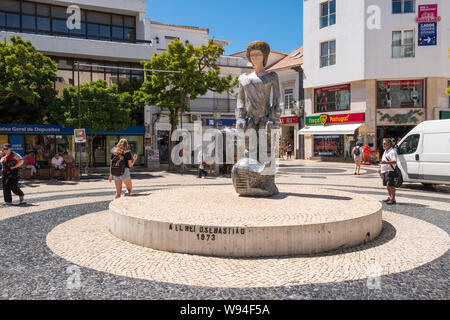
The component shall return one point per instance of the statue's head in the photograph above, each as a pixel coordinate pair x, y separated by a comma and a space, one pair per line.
261, 46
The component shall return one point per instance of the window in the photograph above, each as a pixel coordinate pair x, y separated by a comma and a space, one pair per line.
93, 30
336, 98
10, 5
43, 24
117, 33
400, 94
105, 32
59, 26
2, 19
327, 13
403, 6
327, 53
28, 22
288, 98
328, 146
410, 144
403, 44
12, 20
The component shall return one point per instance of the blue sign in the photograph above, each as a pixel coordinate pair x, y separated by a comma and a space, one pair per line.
221, 123
427, 34
17, 143
60, 130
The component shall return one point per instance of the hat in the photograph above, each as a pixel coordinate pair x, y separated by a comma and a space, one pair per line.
6, 146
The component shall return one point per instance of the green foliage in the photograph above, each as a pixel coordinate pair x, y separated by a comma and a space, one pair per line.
103, 108
447, 91
200, 73
26, 82
137, 109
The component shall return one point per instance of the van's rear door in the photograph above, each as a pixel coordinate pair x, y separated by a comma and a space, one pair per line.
435, 157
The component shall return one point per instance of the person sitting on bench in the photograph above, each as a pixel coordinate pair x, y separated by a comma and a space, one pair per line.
57, 164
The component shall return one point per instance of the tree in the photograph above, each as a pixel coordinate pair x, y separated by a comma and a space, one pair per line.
102, 108
137, 109
200, 73
26, 82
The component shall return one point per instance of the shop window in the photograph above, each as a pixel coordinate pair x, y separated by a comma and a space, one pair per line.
336, 98
400, 94
327, 53
327, 13
328, 146
28, 22
403, 6
410, 144
403, 44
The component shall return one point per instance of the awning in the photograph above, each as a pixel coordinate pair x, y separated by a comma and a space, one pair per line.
331, 129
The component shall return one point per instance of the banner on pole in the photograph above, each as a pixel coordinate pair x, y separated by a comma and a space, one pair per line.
80, 135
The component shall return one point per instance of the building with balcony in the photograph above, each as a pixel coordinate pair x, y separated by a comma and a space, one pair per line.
373, 69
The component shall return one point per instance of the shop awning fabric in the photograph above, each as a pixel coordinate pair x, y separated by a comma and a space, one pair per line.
331, 129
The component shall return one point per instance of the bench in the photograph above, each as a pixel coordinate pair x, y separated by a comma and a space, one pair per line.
44, 174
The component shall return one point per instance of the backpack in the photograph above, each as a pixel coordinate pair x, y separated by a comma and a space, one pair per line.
118, 165
357, 151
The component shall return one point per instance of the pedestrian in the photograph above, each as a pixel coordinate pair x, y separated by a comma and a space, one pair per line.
388, 161
11, 162
68, 160
201, 167
111, 151
58, 164
121, 158
357, 156
31, 164
289, 151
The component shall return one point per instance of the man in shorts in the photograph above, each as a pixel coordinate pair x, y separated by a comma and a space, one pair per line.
11, 163
388, 161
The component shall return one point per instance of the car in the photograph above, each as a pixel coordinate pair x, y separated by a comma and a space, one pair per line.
424, 153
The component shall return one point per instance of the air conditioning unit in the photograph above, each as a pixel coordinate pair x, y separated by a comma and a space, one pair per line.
196, 117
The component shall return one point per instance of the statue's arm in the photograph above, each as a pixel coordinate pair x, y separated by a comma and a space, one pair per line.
240, 108
275, 108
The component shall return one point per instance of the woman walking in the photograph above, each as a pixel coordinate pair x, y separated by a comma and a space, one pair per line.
357, 156
121, 162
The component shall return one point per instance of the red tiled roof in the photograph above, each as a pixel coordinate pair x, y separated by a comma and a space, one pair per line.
293, 59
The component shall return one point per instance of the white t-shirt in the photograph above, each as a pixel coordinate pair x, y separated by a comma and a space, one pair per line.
57, 162
389, 155
200, 157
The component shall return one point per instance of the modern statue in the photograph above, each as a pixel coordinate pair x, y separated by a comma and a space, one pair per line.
258, 111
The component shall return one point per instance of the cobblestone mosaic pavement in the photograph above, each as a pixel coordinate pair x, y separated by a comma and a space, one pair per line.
30, 270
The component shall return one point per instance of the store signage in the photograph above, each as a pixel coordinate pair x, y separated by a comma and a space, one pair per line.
325, 119
444, 115
220, 122
427, 34
341, 87
17, 143
80, 135
400, 83
34, 129
428, 13
289, 120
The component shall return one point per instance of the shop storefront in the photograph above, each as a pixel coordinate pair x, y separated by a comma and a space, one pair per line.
332, 136
47, 140
329, 99
289, 128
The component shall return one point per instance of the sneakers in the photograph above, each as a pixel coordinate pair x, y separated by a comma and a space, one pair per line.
387, 200
391, 202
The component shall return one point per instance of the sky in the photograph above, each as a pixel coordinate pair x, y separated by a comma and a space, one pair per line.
278, 23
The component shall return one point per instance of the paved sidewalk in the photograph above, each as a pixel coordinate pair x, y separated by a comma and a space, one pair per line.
29, 269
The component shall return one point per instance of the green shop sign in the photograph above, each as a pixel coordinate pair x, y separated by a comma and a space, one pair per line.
444, 115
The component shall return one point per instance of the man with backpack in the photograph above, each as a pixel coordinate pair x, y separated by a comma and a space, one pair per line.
11, 163
357, 156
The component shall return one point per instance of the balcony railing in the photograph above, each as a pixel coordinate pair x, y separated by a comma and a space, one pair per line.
212, 105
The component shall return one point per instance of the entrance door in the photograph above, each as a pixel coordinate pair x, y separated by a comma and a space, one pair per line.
99, 151
408, 152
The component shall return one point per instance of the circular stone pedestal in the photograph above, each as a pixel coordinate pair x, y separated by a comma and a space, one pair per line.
215, 221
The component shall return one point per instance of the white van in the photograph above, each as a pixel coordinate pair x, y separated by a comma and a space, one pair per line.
424, 153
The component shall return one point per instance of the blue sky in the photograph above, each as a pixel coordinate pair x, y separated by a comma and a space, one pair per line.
278, 23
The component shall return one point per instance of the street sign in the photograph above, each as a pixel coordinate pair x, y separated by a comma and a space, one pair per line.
80, 135
427, 34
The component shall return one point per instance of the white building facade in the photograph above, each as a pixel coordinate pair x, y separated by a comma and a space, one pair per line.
373, 69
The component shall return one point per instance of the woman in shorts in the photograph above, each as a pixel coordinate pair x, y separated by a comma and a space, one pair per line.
357, 156
123, 149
